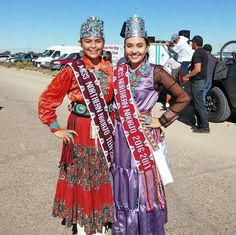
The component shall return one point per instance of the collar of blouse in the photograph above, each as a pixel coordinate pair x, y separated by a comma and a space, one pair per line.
102, 66
143, 70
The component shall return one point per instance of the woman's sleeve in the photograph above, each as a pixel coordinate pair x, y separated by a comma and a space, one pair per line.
52, 97
163, 80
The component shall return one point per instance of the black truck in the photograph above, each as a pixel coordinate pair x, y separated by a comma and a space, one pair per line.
221, 98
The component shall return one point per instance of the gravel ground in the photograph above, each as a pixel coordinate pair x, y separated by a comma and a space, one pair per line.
200, 201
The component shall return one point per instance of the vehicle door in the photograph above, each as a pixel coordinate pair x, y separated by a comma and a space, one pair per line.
56, 54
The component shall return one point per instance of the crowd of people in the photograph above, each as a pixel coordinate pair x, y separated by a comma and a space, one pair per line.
196, 68
109, 174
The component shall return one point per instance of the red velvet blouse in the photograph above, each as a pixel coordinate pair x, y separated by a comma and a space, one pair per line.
64, 83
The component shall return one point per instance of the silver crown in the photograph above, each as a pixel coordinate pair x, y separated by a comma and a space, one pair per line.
135, 27
92, 28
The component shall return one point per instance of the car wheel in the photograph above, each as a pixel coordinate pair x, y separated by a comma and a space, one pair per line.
217, 105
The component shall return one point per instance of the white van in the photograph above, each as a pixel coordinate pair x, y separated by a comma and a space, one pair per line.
54, 52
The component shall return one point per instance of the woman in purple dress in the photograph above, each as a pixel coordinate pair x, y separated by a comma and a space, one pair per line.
140, 205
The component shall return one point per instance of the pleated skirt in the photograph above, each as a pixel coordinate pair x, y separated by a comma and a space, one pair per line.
83, 193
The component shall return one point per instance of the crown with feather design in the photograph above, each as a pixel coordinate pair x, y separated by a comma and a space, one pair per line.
135, 27
92, 28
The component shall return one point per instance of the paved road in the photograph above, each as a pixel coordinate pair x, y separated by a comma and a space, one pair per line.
201, 201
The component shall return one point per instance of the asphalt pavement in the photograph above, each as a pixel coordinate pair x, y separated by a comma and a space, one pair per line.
201, 201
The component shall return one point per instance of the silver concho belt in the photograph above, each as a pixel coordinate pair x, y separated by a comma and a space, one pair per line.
81, 109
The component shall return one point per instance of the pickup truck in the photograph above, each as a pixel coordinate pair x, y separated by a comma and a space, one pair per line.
221, 98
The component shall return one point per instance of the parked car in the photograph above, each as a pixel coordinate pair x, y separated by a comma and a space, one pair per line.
61, 62
47, 64
12, 58
35, 57
54, 52
221, 99
3, 58
21, 57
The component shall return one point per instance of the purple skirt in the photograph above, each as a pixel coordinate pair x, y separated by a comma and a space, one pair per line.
130, 215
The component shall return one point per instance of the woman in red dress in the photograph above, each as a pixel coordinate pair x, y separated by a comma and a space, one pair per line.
83, 194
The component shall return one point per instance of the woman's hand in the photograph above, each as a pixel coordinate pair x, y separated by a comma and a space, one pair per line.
65, 135
149, 121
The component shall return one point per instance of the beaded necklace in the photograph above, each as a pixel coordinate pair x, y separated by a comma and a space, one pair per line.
100, 71
135, 76
103, 81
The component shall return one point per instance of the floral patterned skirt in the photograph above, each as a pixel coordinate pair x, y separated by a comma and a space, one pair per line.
83, 194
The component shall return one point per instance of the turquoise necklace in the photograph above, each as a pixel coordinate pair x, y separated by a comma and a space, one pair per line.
103, 81
134, 82
135, 76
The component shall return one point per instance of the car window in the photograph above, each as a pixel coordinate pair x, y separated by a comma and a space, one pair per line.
18, 56
73, 56
77, 56
47, 53
56, 54
63, 56
70, 56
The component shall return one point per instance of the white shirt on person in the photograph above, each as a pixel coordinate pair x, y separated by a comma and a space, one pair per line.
171, 64
183, 50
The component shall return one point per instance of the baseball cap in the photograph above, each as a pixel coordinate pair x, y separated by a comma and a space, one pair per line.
174, 37
207, 47
198, 39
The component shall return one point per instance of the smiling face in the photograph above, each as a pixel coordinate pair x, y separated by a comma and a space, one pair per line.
92, 47
135, 49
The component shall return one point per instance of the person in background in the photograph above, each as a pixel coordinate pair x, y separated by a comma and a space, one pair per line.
183, 51
83, 193
172, 67
108, 56
210, 66
140, 203
198, 79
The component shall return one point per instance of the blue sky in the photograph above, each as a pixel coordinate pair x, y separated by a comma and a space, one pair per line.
35, 25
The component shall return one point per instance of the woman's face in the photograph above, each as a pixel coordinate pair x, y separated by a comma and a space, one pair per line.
135, 49
92, 47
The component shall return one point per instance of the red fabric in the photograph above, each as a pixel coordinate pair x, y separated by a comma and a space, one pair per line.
83, 192
82, 127
64, 83
89, 200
